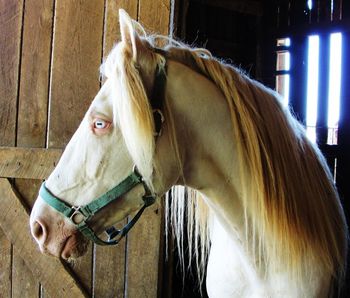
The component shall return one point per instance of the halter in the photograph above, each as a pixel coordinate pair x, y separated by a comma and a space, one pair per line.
80, 215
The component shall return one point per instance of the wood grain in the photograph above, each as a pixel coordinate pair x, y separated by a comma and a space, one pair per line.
31, 163
57, 281
35, 68
143, 255
111, 28
25, 284
10, 40
76, 59
5, 265
109, 265
32, 115
155, 15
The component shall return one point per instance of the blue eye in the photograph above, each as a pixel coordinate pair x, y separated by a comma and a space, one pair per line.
100, 124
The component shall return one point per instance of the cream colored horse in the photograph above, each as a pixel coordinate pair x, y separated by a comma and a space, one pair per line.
268, 215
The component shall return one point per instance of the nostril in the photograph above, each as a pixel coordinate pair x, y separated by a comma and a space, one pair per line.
39, 232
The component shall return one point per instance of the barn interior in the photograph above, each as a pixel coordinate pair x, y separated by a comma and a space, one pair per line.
246, 34
46, 85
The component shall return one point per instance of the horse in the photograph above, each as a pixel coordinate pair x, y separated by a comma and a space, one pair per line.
263, 213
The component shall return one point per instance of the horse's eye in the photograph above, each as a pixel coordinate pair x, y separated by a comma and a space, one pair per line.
100, 124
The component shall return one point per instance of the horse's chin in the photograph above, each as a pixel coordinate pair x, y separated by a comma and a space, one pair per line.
75, 246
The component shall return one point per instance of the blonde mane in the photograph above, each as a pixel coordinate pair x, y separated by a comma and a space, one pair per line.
291, 205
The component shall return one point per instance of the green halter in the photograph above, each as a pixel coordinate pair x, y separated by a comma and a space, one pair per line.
80, 215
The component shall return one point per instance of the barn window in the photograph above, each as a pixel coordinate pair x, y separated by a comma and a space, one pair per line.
335, 61
312, 85
312, 95
283, 68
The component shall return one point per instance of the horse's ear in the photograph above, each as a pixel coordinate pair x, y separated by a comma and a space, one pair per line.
128, 33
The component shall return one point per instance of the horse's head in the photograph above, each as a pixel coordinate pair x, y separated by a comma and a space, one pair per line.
116, 136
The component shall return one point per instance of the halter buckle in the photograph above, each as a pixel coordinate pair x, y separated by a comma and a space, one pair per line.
158, 121
77, 216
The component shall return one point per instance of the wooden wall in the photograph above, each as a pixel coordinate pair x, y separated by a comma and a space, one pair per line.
50, 52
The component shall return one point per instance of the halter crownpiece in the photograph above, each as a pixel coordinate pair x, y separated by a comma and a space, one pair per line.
157, 96
80, 215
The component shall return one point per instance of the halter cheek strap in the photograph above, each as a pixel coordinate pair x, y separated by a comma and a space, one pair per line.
80, 215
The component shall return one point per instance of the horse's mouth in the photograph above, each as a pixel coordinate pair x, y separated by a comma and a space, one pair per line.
74, 247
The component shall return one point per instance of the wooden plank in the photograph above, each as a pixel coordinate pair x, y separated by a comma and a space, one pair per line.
28, 188
76, 59
111, 28
34, 80
10, 39
32, 114
109, 270
143, 255
109, 262
13, 221
77, 50
155, 15
5, 265
31, 163
24, 283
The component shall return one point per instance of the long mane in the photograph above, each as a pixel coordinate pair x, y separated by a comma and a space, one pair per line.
291, 205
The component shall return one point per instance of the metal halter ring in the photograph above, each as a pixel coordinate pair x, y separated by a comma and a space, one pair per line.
77, 216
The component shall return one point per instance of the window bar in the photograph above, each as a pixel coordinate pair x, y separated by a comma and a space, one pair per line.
322, 107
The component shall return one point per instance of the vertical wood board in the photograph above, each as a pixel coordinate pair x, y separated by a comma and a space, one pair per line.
10, 40
155, 15
35, 68
5, 265
143, 255
111, 28
77, 47
32, 115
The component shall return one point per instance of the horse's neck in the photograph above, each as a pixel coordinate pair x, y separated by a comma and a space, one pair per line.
204, 132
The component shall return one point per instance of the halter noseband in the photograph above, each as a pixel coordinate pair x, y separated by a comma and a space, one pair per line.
80, 215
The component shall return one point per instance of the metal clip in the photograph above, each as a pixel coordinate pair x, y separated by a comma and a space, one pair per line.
77, 216
158, 121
